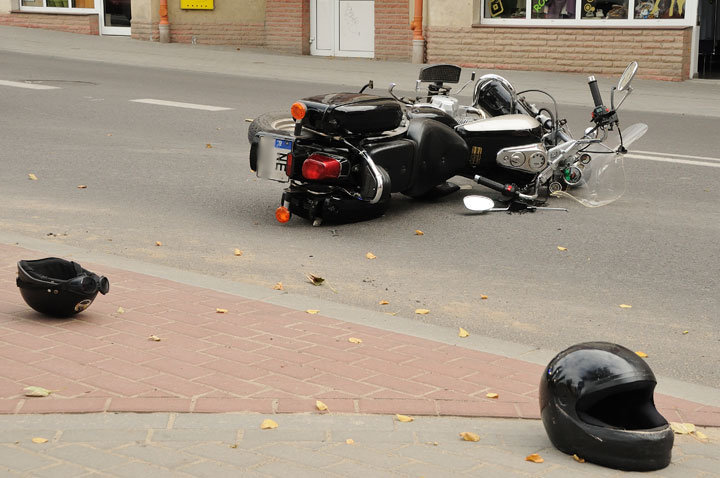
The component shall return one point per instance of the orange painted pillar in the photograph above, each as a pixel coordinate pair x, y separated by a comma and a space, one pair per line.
418, 50
164, 25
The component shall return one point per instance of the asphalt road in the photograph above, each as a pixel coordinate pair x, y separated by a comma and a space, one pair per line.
181, 176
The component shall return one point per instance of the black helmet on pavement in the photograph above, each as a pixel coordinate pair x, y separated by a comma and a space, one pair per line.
596, 401
58, 287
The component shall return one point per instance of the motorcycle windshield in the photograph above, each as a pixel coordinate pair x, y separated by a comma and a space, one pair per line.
603, 178
603, 181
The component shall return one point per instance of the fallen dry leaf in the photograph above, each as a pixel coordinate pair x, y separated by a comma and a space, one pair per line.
492, 395
470, 436
483, 297
208, 145
268, 424
154, 338
39, 440
682, 428
221, 311
350, 441
234, 445
320, 406
355, 340
370, 255
561, 248
383, 302
312, 311
158, 243
535, 458
238, 252
120, 310
34, 391
685, 332
641, 354
701, 436
32, 177
578, 459
404, 418
418, 232
82, 186
315, 280
463, 333
422, 311
278, 286
392, 313
625, 306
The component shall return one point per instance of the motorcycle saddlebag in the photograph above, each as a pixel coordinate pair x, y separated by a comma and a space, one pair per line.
353, 113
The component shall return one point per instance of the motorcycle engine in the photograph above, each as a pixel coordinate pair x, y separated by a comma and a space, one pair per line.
531, 158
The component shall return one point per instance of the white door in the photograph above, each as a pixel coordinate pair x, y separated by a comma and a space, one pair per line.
115, 16
342, 28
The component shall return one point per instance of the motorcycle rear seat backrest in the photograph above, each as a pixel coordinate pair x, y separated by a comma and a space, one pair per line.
440, 74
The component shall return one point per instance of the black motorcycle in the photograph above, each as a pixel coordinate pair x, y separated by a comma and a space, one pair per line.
344, 154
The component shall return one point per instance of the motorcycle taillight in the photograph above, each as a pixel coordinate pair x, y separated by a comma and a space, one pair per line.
318, 166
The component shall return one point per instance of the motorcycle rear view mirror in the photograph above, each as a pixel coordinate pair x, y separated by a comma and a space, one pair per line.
627, 76
478, 203
624, 84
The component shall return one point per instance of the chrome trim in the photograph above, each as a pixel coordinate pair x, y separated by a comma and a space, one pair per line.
378, 176
502, 123
505, 156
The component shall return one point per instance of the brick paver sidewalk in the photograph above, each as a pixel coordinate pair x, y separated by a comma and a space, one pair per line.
256, 357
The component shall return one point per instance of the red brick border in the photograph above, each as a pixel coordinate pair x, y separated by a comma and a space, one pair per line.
257, 357
86, 24
663, 53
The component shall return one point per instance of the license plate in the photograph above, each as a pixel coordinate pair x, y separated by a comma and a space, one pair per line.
272, 157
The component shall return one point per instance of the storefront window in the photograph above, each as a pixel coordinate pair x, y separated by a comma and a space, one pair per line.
601, 9
553, 9
659, 9
505, 8
582, 12
59, 3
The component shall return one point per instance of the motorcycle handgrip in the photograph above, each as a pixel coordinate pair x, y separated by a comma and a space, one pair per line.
595, 91
506, 189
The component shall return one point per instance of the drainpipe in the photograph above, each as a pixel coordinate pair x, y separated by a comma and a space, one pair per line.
164, 25
418, 51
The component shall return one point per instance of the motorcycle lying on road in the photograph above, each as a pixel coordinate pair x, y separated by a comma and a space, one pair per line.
344, 154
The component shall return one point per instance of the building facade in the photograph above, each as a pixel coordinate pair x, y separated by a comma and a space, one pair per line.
671, 39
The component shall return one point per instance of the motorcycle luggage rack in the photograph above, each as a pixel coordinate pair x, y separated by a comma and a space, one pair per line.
443, 73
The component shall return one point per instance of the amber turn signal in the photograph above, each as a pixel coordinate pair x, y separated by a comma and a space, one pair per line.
298, 110
282, 214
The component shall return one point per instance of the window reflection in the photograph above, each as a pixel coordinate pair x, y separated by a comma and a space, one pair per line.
505, 8
599, 9
649, 9
553, 9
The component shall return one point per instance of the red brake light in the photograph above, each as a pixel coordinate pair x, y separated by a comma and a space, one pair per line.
319, 166
288, 165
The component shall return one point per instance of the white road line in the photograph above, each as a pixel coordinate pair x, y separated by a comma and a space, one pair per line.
676, 161
30, 86
178, 104
673, 155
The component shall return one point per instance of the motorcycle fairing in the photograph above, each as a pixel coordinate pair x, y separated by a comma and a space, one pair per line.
441, 153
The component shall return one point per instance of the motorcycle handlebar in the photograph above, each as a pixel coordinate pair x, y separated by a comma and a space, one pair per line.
595, 91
